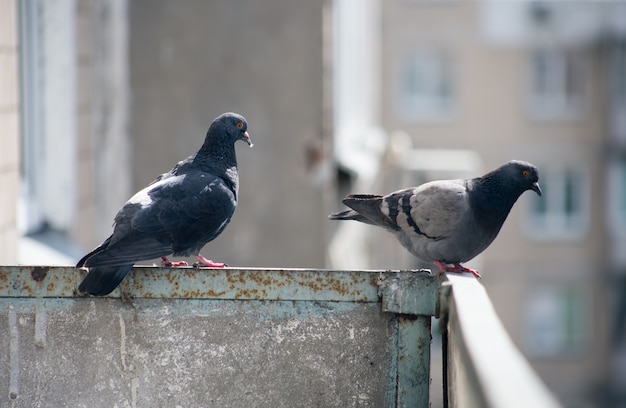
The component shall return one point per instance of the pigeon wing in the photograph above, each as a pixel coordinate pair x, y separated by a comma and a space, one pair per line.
174, 214
187, 211
434, 209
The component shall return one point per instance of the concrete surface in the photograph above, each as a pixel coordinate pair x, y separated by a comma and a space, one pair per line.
96, 352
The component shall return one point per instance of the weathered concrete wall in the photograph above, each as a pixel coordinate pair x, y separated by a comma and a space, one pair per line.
191, 353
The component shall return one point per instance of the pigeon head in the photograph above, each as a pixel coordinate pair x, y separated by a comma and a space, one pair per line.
217, 153
522, 175
494, 194
231, 126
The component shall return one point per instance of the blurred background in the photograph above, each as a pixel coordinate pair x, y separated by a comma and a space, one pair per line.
98, 97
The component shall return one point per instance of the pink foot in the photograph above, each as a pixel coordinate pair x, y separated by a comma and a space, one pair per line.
202, 261
456, 268
166, 263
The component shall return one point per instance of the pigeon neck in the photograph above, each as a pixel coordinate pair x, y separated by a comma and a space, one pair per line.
493, 198
219, 159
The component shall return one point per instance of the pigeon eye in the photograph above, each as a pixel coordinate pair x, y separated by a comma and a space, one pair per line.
239, 125
525, 173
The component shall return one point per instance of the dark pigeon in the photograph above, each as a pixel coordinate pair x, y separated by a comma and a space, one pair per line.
447, 222
177, 214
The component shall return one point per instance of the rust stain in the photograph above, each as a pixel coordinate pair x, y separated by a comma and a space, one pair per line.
265, 280
192, 293
51, 287
235, 278
243, 293
250, 294
321, 284
39, 273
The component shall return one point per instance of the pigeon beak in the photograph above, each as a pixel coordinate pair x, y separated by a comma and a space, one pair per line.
535, 188
246, 138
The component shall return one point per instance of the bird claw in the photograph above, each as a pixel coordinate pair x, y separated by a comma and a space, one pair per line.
207, 263
455, 268
166, 263
213, 265
202, 262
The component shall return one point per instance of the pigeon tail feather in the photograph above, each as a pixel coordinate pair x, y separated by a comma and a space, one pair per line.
353, 197
350, 215
368, 207
104, 279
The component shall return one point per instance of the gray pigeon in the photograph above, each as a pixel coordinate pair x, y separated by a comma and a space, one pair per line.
447, 222
178, 213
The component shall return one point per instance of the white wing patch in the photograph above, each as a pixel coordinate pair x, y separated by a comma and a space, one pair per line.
142, 198
384, 207
403, 218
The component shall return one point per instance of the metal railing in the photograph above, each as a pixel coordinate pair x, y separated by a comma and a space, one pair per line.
482, 366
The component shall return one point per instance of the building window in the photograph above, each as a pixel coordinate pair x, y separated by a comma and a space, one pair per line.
557, 84
562, 213
617, 80
617, 197
618, 77
48, 171
555, 320
426, 86
32, 197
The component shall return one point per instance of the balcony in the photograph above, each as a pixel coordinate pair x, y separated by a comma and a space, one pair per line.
255, 337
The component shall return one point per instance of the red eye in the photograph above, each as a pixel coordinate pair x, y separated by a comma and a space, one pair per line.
239, 125
525, 173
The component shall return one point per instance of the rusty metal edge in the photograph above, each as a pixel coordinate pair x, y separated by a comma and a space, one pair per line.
201, 283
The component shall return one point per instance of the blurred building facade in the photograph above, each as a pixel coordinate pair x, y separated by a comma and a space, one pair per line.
541, 81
